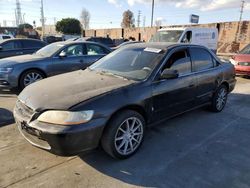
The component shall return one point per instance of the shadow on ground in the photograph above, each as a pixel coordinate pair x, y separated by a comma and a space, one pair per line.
6, 117
196, 149
6, 92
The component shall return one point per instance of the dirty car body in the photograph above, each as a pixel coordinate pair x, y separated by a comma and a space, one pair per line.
102, 94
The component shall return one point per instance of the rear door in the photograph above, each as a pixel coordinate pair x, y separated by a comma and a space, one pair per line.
30, 46
11, 48
207, 73
172, 96
74, 59
94, 52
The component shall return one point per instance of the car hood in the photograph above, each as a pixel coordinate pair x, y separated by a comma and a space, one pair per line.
242, 57
66, 90
19, 59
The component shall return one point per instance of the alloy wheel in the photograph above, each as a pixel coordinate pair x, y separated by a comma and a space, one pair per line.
221, 98
129, 136
31, 78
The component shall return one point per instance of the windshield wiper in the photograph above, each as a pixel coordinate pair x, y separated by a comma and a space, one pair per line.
112, 74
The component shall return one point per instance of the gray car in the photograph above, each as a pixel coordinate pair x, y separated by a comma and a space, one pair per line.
56, 58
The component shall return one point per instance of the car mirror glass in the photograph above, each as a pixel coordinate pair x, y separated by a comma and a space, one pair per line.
62, 54
169, 74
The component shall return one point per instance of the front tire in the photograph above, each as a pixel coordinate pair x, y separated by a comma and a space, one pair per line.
30, 77
124, 134
219, 99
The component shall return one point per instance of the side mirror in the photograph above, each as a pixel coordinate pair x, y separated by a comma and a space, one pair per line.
1, 48
62, 54
169, 74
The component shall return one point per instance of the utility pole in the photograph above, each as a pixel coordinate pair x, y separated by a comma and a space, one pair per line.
139, 19
144, 21
241, 10
237, 36
152, 15
55, 21
42, 18
18, 13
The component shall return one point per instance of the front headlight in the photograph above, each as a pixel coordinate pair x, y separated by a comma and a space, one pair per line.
6, 70
66, 117
233, 62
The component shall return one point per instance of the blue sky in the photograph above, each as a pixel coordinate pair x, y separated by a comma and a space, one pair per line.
108, 13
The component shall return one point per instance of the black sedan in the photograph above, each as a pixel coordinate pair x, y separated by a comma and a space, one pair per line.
15, 47
53, 59
113, 101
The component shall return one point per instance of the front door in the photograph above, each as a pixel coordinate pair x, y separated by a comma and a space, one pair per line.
173, 96
72, 60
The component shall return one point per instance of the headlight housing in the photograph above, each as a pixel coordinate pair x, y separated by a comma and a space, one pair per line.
233, 62
66, 117
6, 70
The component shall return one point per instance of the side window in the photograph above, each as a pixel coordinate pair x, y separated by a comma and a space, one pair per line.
93, 49
187, 38
74, 50
201, 58
12, 45
32, 44
180, 61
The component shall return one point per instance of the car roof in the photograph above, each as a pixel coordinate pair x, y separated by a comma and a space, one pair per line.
159, 45
81, 42
18, 39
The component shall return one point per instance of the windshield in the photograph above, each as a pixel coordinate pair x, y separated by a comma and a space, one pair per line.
50, 49
167, 36
135, 64
245, 50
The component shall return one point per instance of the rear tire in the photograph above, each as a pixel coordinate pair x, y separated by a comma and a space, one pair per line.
219, 99
29, 77
124, 134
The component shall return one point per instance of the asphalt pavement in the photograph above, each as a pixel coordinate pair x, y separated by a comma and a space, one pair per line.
196, 149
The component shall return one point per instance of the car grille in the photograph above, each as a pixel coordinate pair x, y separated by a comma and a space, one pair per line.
23, 110
244, 63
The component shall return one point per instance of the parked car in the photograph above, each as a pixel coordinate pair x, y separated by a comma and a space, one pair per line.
52, 39
241, 61
113, 100
192, 35
56, 58
105, 41
5, 36
14, 47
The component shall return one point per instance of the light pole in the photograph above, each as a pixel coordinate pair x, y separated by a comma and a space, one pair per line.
152, 15
23, 18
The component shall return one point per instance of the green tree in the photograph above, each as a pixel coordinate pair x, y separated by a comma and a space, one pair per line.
128, 19
69, 26
25, 26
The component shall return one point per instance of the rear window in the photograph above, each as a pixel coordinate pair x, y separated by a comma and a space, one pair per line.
246, 50
6, 37
201, 58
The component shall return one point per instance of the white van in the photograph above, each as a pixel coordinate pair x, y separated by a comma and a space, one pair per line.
4, 36
202, 36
